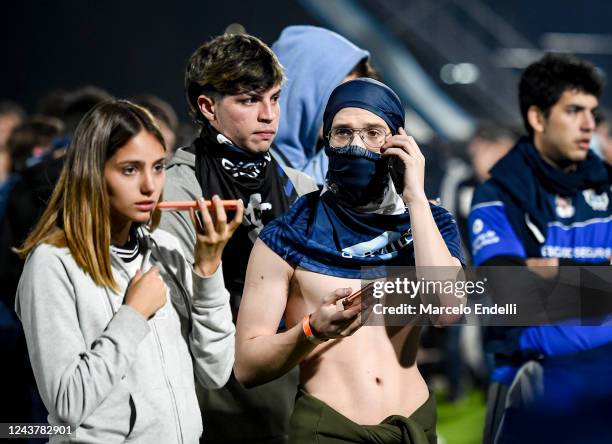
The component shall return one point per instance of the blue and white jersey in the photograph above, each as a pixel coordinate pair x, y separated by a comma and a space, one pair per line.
577, 227
323, 236
581, 231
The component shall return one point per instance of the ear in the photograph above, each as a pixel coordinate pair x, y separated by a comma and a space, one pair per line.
206, 105
536, 119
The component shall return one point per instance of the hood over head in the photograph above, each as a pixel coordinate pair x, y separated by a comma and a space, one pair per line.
316, 60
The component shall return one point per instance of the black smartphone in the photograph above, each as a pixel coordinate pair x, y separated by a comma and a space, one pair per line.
397, 169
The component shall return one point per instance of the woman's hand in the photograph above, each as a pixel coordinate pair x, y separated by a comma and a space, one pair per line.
146, 293
403, 146
211, 237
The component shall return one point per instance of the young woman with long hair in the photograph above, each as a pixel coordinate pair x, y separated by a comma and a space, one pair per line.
116, 321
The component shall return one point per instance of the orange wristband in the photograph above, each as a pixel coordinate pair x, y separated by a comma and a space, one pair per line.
308, 331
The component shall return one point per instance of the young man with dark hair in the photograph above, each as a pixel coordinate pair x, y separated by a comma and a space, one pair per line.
232, 84
547, 203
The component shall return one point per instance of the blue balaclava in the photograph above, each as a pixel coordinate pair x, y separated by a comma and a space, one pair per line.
356, 175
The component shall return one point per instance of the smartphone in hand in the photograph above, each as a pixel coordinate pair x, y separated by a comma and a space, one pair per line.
397, 171
363, 296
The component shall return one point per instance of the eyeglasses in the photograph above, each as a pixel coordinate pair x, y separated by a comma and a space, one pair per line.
373, 137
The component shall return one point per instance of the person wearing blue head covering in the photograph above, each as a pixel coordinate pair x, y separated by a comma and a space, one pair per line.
316, 60
353, 386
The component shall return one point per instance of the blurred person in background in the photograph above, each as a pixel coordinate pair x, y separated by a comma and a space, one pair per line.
232, 84
489, 143
316, 60
36, 176
186, 133
78, 103
26, 146
547, 204
28, 143
165, 117
32, 139
32, 191
461, 349
11, 115
15, 386
53, 103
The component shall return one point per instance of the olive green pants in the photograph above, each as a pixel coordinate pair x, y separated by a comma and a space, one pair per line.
313, 421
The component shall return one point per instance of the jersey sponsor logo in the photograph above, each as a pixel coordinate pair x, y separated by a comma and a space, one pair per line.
578, 252
477, 226
489, 237
565, 209
493, 235
598, 202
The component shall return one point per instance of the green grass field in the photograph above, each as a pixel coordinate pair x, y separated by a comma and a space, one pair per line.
461, 422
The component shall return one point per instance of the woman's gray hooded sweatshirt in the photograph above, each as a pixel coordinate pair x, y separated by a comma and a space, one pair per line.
105, 370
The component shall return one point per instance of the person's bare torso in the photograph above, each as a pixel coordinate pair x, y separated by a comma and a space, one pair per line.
365, 377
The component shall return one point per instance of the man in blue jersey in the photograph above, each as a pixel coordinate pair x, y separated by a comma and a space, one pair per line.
548, 203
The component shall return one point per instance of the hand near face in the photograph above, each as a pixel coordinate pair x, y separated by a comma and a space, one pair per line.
211, 237
403, 146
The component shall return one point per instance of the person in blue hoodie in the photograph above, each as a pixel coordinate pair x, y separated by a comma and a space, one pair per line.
316, 60
547, 203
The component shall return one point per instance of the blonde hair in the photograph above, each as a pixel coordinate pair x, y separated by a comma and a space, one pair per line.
78, 213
